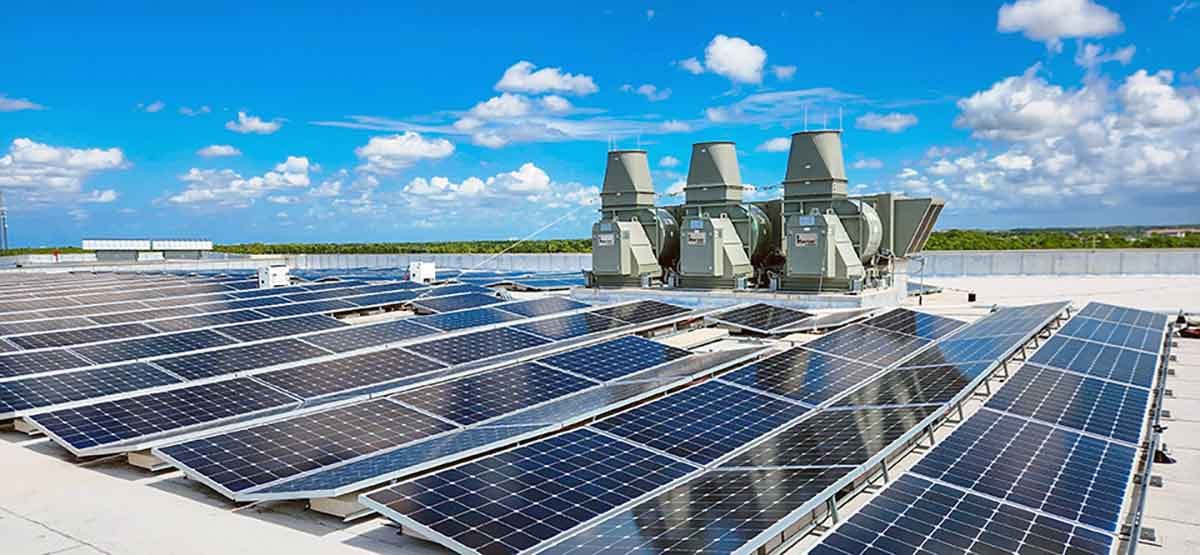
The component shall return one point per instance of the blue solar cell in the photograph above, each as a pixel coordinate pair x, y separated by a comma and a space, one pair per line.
205, 320
133, 418
1064, 473
271, 329
46, 391
512, 501
1086, 357
237, 359
1123, 315
380, 299
803, 375
834, 437
1117, 335
38, 362
312, 307
956, 351
867, 344
907, 386
915, 323
370, 335
571, 325
1074, 401
480, 397
463, 319
80, 336
399, 461
918, 516
615, 359
251, 457
544, 306
714, 513
704, 422
342, 375
642, 311
761, 317
456, 302
153, 346
480, 345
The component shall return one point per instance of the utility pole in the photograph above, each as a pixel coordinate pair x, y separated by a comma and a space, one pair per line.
3, 223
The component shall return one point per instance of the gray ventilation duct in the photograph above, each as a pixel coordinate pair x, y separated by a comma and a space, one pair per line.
627, 181
713, 174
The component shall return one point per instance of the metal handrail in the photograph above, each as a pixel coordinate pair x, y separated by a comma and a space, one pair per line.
1139, 511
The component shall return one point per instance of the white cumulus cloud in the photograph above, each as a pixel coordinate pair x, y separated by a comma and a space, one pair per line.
522, 77
252, 124
392, 153
555, 103
1050, 21
228, 188
691, 65
651, 92
783, 73
217, 151
735, 58
1027, 106
893, 122
9, 104
867, 164
668, 162
39, 173
778, 144
504, 106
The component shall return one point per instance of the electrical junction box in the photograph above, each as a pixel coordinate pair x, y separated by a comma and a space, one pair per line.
273, 276
422, 272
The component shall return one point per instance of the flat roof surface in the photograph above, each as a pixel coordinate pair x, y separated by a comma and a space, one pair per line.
53, 504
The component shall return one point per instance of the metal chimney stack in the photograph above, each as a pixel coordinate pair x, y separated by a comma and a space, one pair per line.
815, 168
627, 182
713, 174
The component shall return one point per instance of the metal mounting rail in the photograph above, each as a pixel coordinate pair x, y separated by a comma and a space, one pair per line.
1139, 509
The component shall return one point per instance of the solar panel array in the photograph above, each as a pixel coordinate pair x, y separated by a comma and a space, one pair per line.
514, 398
753, 450
1044, 466
326, 379
760, 318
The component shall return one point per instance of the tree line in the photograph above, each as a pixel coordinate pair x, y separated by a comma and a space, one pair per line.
952, 239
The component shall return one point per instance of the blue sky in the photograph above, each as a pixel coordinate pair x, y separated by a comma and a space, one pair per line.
306, 122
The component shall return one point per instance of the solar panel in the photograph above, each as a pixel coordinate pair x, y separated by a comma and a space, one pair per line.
918, 516
582, 404
476, 346
867, 344
34, 326
965, 351
1073, 401
180, 301
267, 292
803, 375
704, 422
910, 386
370, 335
1117, 335
512, 501
337, 479
543, 306
571, 325
1105, 361
467, 318
457, 302
270, 329
834, 438
393, 297
341, 375
156, 345
79, 336
38, 362
123, 421
761, 317
714, 513
337, 284
250, 457
1123, 315
615, 359
641, 312
205, 320
236, 359
1064, 473
45, 391
313, 307
915, 323
143, 315
484, 396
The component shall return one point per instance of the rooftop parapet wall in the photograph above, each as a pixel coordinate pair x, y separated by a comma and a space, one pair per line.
1104, 262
